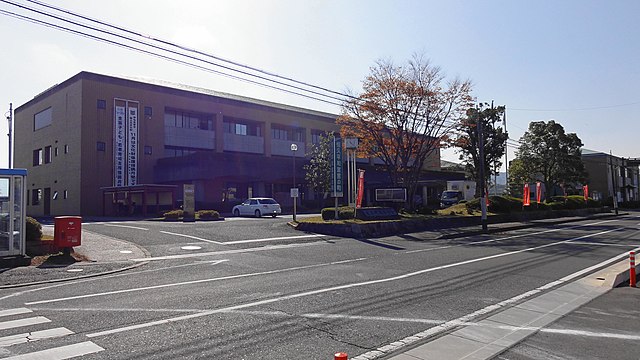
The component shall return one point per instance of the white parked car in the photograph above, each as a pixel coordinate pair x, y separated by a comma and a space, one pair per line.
258, 207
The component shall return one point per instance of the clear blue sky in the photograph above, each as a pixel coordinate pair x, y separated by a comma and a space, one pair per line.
576, 62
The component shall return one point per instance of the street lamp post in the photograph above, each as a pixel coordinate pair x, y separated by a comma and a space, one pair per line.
294, 192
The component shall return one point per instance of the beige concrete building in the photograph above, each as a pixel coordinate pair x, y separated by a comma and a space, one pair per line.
102, 145
94, 131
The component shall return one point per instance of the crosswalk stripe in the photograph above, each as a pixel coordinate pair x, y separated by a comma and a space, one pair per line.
16, 311
23, 322
60, 353
34, 336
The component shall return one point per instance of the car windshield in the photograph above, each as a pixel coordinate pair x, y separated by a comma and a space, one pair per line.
267, 201
449, 194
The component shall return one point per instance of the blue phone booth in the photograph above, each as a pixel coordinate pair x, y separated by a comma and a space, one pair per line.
13, 192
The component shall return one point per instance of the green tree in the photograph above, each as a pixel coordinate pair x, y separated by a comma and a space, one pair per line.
318, 170
550, 155
403, 116
495, 139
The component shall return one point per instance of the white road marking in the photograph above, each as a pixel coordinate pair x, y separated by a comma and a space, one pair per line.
604, 244
126, 226
17, 311
34, 336
191, 237
23, 322
347, 286
273, 239
188, 282
62, 352
505, 238
225, 252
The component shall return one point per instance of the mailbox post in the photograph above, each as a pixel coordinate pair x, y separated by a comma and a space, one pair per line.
67, 232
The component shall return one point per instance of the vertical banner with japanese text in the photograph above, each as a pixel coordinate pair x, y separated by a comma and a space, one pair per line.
132, 143
360, 188
526, 196
336, 168
119, 141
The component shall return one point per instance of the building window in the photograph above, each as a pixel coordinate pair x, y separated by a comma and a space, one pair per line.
36, 196
42, 119
148, 150
38, 157
148, 111
315, 136
55, 151
65, 194
101, 146
241, 129
279, 133
102, 104
47, 154
298, 135
180, 119
66, 149
55, 195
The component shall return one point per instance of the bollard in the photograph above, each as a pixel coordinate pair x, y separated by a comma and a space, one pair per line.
340, 356
632, 269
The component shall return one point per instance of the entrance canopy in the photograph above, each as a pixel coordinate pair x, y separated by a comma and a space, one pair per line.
138, 199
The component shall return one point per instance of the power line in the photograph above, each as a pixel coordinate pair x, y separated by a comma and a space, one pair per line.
582, 109
156, 47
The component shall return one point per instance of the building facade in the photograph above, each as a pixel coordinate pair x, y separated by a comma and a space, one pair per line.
611, 176
103, 145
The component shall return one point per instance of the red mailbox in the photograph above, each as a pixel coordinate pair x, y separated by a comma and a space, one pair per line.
67, 231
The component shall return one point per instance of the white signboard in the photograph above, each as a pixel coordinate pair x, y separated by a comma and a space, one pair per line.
294, 192
119, 146
132, 145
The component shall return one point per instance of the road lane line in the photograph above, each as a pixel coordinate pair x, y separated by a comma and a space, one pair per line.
273, 239
270, 272
126, 226
34, 336
23, 322
225, 252
60, 353
192, 237
346, 286
17, 311
604, 244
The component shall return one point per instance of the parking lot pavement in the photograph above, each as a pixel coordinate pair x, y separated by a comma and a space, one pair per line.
105, 256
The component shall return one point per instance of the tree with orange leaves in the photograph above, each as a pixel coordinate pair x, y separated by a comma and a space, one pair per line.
404, 114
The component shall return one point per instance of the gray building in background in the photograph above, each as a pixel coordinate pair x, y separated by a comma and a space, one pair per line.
602, 185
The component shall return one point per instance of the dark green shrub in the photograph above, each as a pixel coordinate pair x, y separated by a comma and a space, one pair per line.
173, 214
208, 214
504, 204
555, 205
630, 205
33, 229
344, 213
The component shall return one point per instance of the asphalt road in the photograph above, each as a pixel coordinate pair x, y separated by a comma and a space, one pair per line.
257, 289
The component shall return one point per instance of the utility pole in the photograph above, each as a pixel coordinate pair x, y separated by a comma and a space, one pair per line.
10, 119
506, 151
613, 184
483, 201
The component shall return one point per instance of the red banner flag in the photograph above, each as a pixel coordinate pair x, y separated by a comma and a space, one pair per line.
538, 192
526, 196
360, 189
585, 189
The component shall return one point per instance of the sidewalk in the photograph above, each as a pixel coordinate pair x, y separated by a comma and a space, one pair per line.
106, 255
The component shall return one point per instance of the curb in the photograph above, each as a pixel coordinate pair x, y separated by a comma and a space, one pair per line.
522, 226
12, 286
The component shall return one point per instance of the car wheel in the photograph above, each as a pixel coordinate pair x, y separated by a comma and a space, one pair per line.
236, 212
258, 214
274, 215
